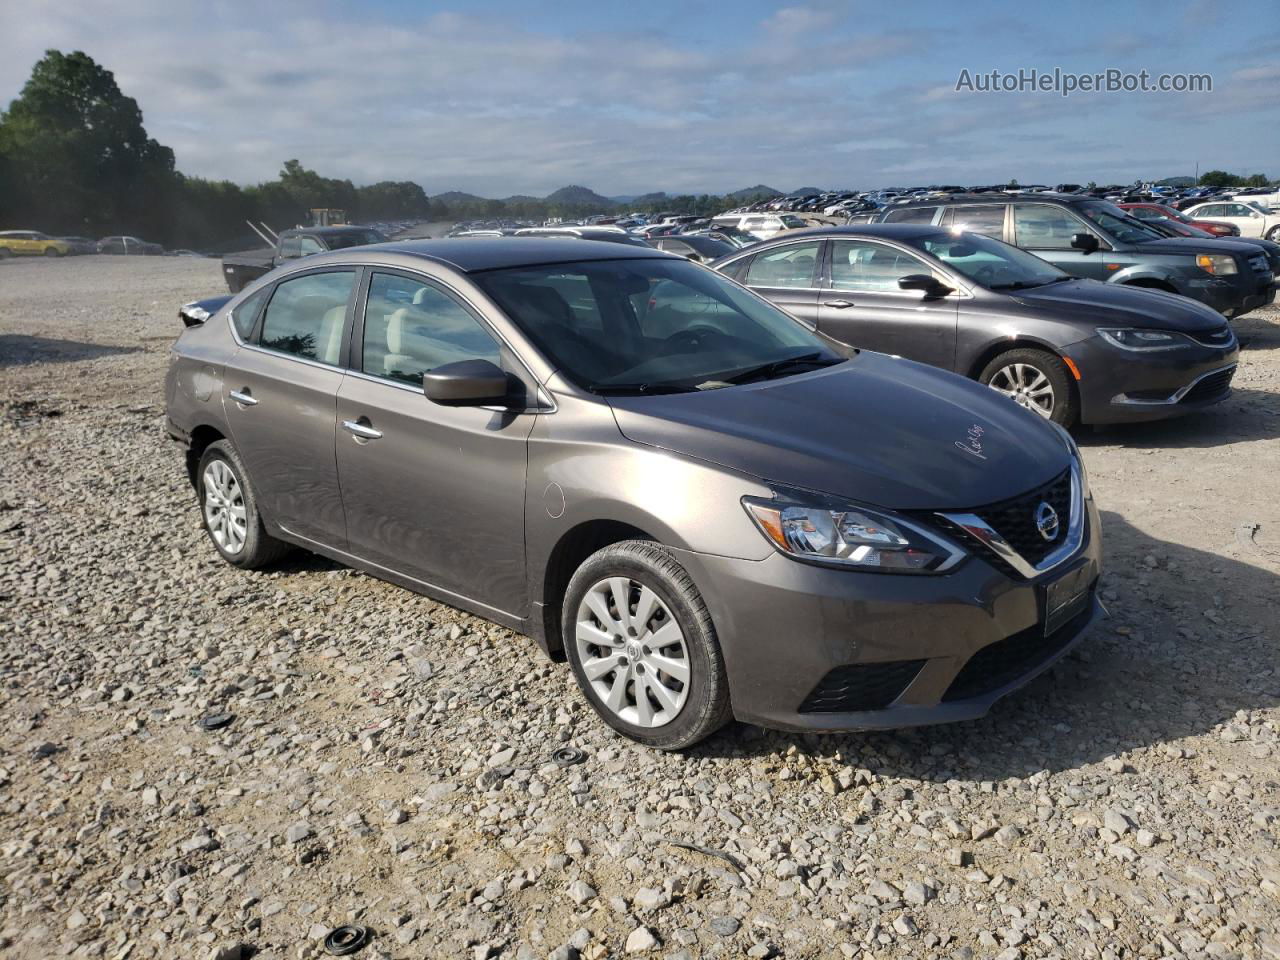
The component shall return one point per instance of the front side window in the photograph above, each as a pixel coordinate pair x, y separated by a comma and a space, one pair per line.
990, 262
664, 325
306, 315
1112, 221
788, 266
311, 245
411, 326
871, 267
1145, 213
246, 312
911, 215
984, 218
1042, 226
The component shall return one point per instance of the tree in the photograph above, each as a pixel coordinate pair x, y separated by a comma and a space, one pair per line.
1255, 180
76, 154
1219, 178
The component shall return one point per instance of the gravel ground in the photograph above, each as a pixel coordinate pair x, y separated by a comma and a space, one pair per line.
388, 760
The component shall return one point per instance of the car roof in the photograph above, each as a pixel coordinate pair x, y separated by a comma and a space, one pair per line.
327, 231
889, 231
477, 254
994, 197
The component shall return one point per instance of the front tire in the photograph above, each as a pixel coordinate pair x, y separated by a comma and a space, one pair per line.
1036, 380
52, 252
1274, 234
229, 510
643, 648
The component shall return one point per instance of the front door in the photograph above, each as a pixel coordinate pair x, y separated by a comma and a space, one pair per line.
279, 394
862, 304
787, 275
431, 492
1046, 229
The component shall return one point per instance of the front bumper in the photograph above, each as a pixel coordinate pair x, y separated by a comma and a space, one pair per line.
805, 646
1236, 296
1118, 386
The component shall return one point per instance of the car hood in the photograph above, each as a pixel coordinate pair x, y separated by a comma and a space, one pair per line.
1113, 303
1194, 245
877, 429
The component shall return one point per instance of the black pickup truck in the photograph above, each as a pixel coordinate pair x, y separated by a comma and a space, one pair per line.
241, 269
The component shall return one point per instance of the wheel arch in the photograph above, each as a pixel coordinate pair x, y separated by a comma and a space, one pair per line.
997, 347
202, 437
566, 556
1150, 283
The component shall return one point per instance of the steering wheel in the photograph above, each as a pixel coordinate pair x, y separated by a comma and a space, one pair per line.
692, 336
985, 275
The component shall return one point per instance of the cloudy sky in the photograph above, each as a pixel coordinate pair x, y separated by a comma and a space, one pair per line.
497, 98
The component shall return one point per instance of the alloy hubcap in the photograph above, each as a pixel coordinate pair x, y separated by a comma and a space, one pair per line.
224, 511
632, 652
1025, 385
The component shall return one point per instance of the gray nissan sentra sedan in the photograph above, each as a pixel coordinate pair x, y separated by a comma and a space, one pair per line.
709, 509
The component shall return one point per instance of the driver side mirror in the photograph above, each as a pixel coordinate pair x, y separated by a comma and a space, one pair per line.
1085, 242
932, 287
466, 383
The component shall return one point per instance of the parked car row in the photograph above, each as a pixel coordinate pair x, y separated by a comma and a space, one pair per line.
16, 243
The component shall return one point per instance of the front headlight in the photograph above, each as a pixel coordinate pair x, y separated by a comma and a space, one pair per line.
845, 535
1127, 338
1219, 264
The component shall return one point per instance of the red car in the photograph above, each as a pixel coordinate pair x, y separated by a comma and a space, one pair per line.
1158, 211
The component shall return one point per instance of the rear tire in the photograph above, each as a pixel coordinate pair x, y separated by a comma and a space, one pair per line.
5, 253
52, 252
652, 671
229, 510
1036, 380
1274, 234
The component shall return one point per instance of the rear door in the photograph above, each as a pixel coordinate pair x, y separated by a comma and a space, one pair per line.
862, 305
987, 219
788, 276
280, 396
433, 493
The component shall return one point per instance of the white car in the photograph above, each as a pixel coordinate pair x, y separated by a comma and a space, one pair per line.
1253, 219
766, 225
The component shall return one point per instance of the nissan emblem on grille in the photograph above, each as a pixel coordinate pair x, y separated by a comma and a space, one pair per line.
1047, 520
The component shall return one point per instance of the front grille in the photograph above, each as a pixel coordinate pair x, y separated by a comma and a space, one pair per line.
1015, 520
1213, 338
1001, 663
861, 686
1211, 387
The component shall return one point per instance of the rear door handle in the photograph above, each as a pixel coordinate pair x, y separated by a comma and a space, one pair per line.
243, 397
361, 429
838, 304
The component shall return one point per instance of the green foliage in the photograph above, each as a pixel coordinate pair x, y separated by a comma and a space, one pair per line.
1220, 178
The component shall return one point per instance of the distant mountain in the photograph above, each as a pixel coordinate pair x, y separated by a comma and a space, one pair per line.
759, 190
804, 192
579, 197
658, 197
457, 196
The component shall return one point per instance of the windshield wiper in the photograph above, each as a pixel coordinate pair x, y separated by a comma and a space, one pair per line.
648, 389
774, 368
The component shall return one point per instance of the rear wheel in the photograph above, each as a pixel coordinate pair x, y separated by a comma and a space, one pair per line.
1034, 379
1274, 234
51, 252
5, 253
643, 648
229, 508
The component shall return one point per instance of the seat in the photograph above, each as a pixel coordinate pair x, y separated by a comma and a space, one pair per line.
395, 360
329, 339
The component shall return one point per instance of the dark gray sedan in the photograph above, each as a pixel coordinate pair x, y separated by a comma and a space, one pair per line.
1071, 350
710, 510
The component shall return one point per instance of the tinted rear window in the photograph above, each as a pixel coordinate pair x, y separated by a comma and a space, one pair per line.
911, 215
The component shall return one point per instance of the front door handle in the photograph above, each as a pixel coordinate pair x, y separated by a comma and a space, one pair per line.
838, 304
361, 429
243, 397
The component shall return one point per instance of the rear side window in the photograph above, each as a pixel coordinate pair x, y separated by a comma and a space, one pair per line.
311, 245
306, 315
1041, 226
788, 266
411, 327
984, 218
291, 246
911, 215
243, 316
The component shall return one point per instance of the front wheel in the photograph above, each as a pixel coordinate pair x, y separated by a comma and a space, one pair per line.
1034, 379
1274, 234
643, 648
229, 509
52, 252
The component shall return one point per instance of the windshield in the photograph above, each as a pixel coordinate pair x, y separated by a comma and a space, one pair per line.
1117, 224
992, 263
651, 325
353, 238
